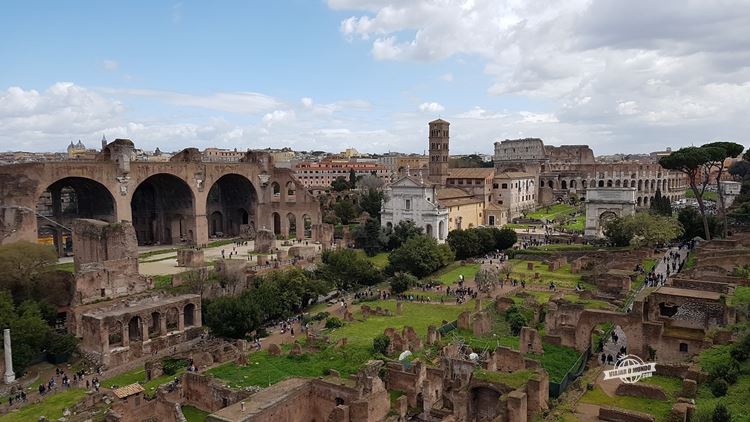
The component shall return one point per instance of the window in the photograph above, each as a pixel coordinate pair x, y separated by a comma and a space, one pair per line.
505, 186
494, 186
683, 347
408, 204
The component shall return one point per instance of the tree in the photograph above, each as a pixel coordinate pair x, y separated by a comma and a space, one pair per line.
29, 332
661, 204
403, 231
480, 241
643, 228
346, 268
371, 201
352, 179
22, 265
692, 223
370, 237
719, 152
505, 238
370, 182
695, 163
345, 210
740, 170
487, 277
420, 256
233, 316
465, 243
340, 184
401, 282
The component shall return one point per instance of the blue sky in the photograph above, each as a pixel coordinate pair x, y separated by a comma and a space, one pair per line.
368, 73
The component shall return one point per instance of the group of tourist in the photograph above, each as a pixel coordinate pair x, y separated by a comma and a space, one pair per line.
18, 396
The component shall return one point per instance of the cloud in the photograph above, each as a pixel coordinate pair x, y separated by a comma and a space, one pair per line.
278, 116
233, 102
480, 114
634, 70
431, 107
110, 65
448, 77
307, 102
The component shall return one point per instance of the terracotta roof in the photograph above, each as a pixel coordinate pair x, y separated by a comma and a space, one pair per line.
471, 172
451, 193
459, 201
512, 175
128, 390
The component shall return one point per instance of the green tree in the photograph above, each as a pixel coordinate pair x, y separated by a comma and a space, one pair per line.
352, 179
345, 210
696, 164
465, 243
371, 202
661, 204
692, 223
346, 268
340, 184
505, 238
420, 256
643, 228
740, 170
617, 233
233, 316
29, 332
401, 282
370, 237
719, 152
22, 266
403, 231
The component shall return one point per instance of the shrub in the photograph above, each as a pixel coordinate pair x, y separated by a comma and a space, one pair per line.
401, 282
334, 322
719, 387
171, 366
721, 413
380, 344
727, 370
516, 320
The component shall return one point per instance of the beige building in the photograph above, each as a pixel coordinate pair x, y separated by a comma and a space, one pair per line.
465, 210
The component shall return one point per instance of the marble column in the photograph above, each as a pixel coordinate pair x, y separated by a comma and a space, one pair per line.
9, 375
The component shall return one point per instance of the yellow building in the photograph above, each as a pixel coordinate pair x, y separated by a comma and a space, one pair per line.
464, 209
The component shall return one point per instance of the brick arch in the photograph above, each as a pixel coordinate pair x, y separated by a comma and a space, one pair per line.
629, 323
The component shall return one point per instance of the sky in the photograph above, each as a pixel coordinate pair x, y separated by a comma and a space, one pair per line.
621, 76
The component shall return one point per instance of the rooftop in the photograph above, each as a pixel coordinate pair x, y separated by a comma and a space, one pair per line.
697, 294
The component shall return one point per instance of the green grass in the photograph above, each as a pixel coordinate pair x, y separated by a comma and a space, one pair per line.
707, 195
51, 407
162, 281
576, 225
514, 380
552, 211
416, 315
138, 375
556, 360
562, 247
562, 277
521, 226
66, 266
166, 258
736, 399
264, 370
741, 296
222, 242
659, 409
155, 252
449, 275
193, 414
380, 260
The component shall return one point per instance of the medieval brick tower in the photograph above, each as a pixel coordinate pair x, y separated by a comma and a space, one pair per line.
439, 151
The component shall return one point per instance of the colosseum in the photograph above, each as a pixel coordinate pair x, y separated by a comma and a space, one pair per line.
569, 170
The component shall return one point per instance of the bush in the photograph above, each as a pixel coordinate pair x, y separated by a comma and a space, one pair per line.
721, 414
719, 387
402, 282
420, 255
727, 370
516, 320
380, 344
334, 322
171, 366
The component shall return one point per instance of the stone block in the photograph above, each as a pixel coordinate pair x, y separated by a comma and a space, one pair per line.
274, 350
689, 388
264, 241
530, 341
296, 350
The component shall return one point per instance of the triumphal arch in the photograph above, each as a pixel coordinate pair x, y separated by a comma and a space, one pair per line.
181, 201
603, 204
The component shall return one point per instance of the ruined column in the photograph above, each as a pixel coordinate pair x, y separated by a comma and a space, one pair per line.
9, 375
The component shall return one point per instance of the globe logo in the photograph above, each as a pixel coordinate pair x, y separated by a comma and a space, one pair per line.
631, 369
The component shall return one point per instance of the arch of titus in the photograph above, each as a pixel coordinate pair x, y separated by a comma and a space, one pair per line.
181, 201
603, 204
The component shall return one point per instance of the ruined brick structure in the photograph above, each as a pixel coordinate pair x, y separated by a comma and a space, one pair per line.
182, 201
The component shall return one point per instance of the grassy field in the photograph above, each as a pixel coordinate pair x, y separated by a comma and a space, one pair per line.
659, 409
52, 407
562, 277
544, 297
416, 315
138, 375
560, 247
380, 260
66, 266
193, 414
576, 225
552, 211
449, 275
738, 393
264, 370
707, 195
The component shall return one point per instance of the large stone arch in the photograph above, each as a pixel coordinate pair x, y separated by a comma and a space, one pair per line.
66, 199
163, 210
235, 199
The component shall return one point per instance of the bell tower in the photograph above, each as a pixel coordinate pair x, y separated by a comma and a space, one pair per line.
439, 156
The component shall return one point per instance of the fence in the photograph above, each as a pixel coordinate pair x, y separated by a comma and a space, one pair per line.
447, 328
575, 371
